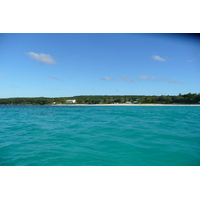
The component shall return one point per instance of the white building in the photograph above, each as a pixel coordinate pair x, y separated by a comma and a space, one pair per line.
71, 101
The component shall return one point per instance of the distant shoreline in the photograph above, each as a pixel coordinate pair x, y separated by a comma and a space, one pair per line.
126, 105
100, 105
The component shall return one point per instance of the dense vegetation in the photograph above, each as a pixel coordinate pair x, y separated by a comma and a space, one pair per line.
105, 99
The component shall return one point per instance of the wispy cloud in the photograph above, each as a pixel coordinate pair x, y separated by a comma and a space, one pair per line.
1, 74
142, 78
107, 78
52, 77
158, 58
43, 58
125, 78
14, 86
10, 87
152, 78
157, 79
191, 60
174, 81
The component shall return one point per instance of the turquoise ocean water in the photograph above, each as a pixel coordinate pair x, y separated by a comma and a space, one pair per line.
99, 135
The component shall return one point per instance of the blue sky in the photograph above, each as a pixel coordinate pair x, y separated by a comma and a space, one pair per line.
62, 65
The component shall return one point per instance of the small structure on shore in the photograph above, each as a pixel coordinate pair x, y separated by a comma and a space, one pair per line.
71, 101
136, 101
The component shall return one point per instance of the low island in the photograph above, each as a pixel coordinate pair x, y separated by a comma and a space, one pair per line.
125, 100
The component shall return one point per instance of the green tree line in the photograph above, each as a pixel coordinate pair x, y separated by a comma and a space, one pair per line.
190, 98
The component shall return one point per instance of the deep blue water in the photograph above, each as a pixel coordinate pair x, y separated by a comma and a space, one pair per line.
99, 135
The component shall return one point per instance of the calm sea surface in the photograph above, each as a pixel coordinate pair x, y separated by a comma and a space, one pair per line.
99, 135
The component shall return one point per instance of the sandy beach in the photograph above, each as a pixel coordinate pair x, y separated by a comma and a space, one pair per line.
126, 104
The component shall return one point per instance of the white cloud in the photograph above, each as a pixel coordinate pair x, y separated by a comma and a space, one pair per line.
158, 58
107, 78
44, 58
125, 78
